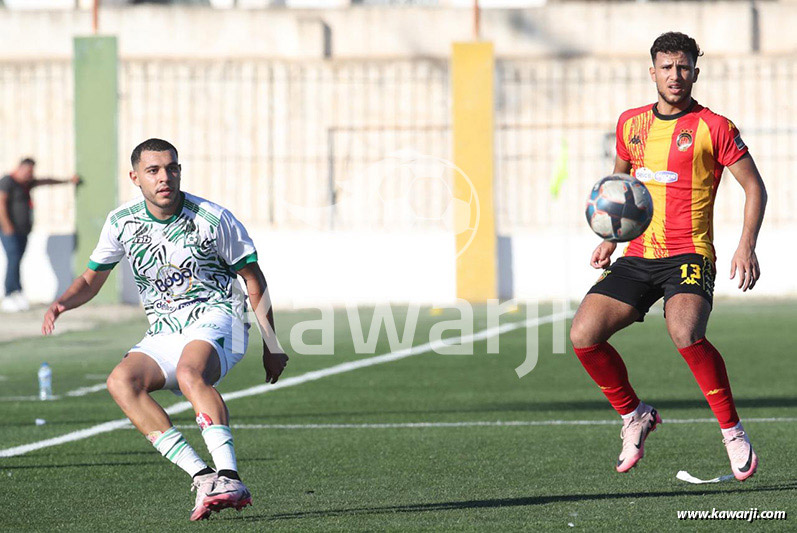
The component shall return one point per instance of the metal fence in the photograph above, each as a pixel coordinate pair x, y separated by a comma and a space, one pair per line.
291, 144
364, 144
545, 107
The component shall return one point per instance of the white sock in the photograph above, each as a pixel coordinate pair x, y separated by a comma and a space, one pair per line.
219, 441
638, 411
737, 427
176, 449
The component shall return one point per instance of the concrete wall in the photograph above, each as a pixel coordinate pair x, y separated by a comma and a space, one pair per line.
560, 29
303, 268
46, 266
306, 269
555, 264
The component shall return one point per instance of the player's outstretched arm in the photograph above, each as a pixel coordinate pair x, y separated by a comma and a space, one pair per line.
602, 255
274, 357
744, 259
84, 288
74, 180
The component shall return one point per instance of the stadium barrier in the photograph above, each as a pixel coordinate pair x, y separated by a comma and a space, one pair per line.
318, 153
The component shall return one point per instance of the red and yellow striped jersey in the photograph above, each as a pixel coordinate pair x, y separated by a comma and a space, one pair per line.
680, 159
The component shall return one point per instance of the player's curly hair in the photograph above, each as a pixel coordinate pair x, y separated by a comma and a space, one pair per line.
151, 145
674, 41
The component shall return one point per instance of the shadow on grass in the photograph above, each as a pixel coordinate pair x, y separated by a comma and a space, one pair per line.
148, 451
507, 502
81, 423
154, 460
532, 406
81, 465
661, 403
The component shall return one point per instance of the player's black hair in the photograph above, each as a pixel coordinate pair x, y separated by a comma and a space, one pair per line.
151, 145
28, 161
674, 41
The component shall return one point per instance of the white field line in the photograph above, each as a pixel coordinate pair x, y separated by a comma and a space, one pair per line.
18, 398
293, 381
82, 391
497, 423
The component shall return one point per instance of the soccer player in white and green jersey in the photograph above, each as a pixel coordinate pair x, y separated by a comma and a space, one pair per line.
185, 253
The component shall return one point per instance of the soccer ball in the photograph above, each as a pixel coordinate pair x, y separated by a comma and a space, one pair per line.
619, 208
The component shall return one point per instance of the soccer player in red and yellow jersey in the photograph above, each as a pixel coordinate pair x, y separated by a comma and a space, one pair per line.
679, 149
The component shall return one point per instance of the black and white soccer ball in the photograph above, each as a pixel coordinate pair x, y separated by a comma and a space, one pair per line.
619, 208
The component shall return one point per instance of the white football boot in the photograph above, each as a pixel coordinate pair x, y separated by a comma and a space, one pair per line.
202, 485
744, 461
635, 430
228, 493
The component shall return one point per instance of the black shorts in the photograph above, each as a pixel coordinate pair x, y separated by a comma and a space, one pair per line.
641, 282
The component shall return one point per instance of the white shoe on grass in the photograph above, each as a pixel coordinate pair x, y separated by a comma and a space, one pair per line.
202, 485
744, 461
635, 430
228, 493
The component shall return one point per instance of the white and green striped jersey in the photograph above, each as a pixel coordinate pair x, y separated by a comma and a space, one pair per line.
184, 266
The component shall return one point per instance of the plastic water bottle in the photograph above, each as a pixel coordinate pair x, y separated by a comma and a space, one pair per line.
45, 382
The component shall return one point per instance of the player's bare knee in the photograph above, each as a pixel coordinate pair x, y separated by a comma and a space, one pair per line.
583, 334
111, 383
189, 377
683, 336
120, 383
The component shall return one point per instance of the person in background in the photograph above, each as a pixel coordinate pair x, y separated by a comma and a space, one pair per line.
16, 221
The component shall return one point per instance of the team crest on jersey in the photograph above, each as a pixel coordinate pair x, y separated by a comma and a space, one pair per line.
191, 239
684, 140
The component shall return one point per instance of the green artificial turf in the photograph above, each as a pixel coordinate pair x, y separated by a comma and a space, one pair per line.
546, 477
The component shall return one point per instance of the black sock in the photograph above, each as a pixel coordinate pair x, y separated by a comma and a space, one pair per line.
232, 474
204, 471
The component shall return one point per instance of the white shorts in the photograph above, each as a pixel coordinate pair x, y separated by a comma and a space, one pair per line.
228, 336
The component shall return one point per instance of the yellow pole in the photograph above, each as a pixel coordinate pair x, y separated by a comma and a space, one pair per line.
472, 69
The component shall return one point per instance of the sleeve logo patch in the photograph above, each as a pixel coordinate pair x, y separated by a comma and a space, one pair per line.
739, 142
